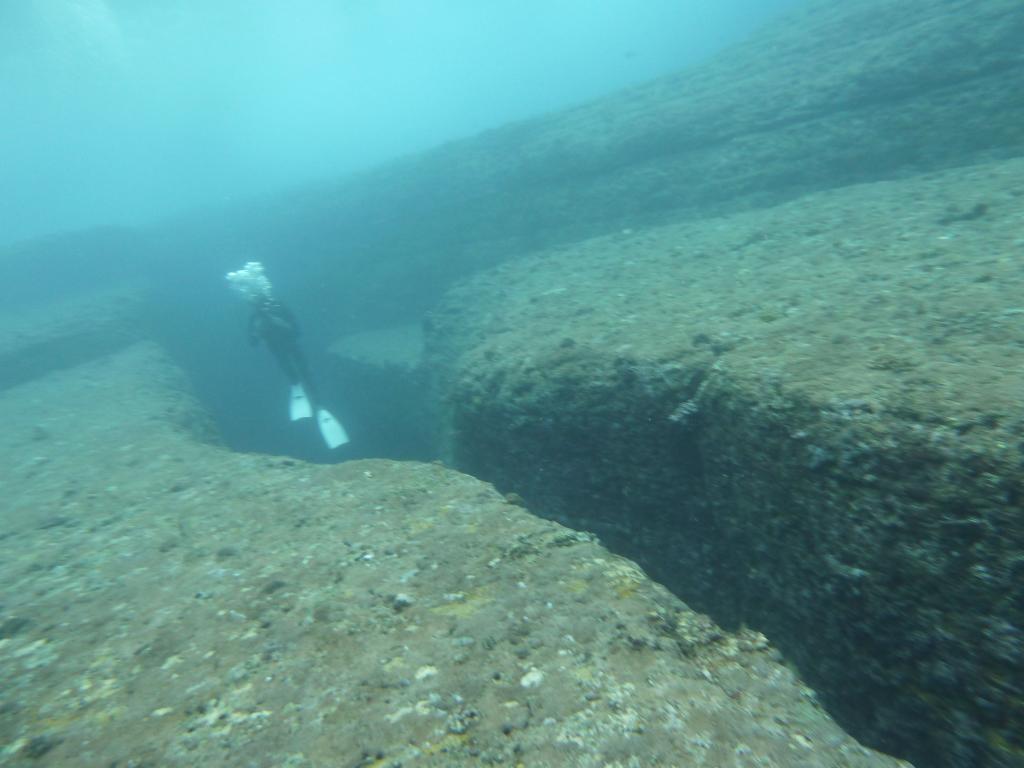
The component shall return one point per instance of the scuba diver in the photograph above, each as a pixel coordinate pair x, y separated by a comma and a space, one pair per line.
274, 324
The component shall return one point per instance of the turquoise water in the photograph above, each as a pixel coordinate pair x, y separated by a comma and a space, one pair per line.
735, 286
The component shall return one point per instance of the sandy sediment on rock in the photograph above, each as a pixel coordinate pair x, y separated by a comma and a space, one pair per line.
166, 602
807, 418
905, 292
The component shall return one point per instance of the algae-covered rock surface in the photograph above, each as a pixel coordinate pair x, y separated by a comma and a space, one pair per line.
168, 603
65, 332
807, 418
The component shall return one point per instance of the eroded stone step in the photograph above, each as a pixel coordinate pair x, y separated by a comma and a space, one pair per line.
807, 419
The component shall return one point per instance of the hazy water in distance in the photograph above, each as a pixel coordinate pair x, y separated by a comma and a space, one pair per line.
125, 111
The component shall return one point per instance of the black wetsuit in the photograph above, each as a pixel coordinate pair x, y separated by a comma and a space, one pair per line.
273, 323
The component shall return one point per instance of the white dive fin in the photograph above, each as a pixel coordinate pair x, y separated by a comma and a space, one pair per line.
333, 433
300, 407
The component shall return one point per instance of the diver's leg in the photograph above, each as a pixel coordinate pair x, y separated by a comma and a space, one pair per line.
302, 388
282, 355
331, 429
299, 405
297, 361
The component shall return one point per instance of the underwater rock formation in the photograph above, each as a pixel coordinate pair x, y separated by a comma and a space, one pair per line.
805, 419
63, 333
831, 94
167, 602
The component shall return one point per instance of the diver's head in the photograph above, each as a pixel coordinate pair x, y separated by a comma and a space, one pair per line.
251, 282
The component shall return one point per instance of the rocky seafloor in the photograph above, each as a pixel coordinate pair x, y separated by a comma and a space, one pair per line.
808, 419
166, 602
